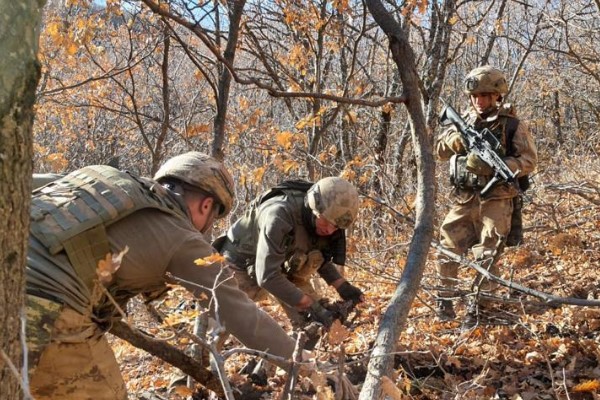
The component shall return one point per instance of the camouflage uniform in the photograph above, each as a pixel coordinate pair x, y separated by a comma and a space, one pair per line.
67, 315
481, 224
276, 250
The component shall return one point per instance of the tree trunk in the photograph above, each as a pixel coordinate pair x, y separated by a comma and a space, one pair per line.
394, 318
381, 141
19, 75
555, 117
236, 11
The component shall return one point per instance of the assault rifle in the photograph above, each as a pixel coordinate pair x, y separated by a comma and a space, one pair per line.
484, 144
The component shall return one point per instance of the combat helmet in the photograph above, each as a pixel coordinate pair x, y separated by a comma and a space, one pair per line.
334, 198
486, 79
203, 172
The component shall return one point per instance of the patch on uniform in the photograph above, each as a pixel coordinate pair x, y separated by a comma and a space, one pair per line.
41, 314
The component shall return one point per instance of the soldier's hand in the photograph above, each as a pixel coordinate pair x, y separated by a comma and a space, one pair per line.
342, 387
477, 166
456, 142
350, 292
320, 314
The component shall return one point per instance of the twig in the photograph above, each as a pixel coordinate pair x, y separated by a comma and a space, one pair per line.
219, 360
288, 389
279, 361
13, 369
25, 368
170, 354
564, 383
548, 298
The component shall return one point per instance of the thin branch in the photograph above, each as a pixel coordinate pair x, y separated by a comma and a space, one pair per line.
547, 298
288, 390
15, 372
157, 9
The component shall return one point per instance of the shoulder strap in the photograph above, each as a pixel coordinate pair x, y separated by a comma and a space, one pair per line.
294, 185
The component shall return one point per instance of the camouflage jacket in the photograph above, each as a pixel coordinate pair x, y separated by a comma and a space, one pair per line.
271, 234
519, 154
160, 244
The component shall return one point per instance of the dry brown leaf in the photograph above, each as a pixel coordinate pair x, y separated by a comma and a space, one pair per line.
337, 333
209, 260
284, 139
109, 265
183, 391
324, 392
390, 389
587, 386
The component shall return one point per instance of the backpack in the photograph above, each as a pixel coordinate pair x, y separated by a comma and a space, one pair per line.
299, 185
515, 236
511, 128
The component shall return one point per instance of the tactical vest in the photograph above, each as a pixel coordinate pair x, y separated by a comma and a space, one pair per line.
244, 234
503, 128
72, 213
243, 239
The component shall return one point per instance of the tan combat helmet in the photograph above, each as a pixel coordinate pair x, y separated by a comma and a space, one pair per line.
203, 172
486, 79
334, 198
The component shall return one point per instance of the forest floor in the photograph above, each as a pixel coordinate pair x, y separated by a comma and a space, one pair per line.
522, 349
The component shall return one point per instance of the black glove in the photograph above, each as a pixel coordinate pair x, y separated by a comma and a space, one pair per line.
320, 314
350, 292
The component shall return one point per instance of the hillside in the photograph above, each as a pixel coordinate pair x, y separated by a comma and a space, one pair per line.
525, 349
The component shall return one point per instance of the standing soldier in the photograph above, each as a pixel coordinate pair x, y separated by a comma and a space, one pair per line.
481, 223
155, 226
286, 236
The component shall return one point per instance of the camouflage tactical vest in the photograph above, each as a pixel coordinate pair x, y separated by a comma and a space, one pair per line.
72, 213
503, 128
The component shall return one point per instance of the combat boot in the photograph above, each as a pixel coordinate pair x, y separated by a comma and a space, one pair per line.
445, 310
473, 317
470, 320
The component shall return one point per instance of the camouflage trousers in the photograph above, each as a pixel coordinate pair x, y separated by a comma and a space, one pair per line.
69, 358
476, 224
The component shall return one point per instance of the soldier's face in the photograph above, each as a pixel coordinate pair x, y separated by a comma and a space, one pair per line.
484, 102
323, 227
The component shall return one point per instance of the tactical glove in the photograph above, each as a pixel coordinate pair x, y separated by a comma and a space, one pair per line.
477, 166
350, 292
342, 387
456, 142
320, 314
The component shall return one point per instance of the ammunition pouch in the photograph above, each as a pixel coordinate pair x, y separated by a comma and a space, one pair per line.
301, 266
462, 178
295, 263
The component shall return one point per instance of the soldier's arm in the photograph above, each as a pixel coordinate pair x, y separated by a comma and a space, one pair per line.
330, 274
239, 315
275, 225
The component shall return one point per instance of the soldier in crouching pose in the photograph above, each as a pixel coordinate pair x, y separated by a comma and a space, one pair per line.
78, 220
289, 234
